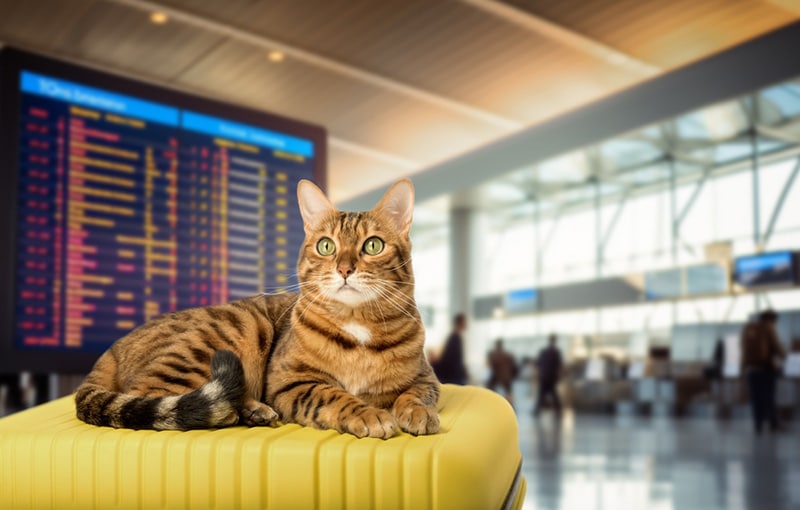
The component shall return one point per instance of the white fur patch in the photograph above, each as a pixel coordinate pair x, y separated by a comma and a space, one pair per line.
212, 390
166, 410
358, 332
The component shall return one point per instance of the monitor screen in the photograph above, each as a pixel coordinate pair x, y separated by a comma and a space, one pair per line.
521, 301
766, 269
710, 278
663, 284
125, 201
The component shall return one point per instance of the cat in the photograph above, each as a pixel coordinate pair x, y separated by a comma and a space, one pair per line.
344, 353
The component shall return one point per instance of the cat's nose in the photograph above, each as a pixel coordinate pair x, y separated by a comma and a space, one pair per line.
345, 270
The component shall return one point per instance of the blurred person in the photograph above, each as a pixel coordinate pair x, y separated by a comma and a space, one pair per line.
549, 365
449, 366
503, 368
713, 371
10, 393
761, 350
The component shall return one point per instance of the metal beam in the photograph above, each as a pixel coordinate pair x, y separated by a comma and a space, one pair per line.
693, 198
756, 191
777, 134
673, 212
317, 60
552, 231
598, 228
726, 169
686, 246
565, 36
602, 239
614, 219
776, 211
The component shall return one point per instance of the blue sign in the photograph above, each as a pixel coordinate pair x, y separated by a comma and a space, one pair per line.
69, 92
766, 269
521, 301
249, 134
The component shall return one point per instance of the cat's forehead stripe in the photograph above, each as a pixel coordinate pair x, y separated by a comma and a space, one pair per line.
351, 222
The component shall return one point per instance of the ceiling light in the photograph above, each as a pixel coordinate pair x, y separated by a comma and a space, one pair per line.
158, 17
275, 56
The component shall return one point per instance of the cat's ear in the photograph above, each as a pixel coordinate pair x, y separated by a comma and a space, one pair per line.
398, 204
314, 205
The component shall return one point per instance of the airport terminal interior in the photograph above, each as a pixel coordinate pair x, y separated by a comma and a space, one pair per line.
616, 178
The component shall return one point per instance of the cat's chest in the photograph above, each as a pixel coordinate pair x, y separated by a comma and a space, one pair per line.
360, 371
360, 375
358, 331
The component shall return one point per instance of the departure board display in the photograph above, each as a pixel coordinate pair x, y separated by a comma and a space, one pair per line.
129, 207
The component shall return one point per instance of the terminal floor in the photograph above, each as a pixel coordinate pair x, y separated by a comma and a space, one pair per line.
599, 462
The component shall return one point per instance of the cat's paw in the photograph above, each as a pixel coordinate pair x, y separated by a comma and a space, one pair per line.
371, 422
257, 414
417, 419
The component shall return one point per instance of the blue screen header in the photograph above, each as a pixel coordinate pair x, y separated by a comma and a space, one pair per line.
522, 295
82, 95
91, 97
249, 134
767, 261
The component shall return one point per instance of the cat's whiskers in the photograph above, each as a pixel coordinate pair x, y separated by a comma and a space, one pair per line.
398, 306
393, 287
402, 264
288, 310
392, 282
372, 301
295, 287
315, 293
399, 301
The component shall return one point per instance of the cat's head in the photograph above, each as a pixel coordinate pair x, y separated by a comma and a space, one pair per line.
354, 258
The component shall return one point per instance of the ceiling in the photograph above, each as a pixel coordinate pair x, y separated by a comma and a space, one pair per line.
398, 84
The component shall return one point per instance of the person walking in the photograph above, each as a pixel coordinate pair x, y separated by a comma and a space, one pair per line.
503, 369
449, 366
761, 350
549, 364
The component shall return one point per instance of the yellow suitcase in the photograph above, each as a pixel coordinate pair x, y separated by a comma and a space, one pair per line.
49, 459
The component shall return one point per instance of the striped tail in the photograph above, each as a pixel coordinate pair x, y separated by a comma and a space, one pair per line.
215, 404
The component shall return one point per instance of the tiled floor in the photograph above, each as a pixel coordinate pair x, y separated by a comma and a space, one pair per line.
594, 462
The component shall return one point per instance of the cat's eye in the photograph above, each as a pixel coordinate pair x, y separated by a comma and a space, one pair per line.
373, 246
326, 246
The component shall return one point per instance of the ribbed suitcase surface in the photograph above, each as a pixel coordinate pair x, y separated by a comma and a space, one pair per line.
49, 459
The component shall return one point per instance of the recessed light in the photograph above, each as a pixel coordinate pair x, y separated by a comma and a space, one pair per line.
276, 56
158, 17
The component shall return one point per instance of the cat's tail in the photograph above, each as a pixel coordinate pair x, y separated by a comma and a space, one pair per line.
215, 404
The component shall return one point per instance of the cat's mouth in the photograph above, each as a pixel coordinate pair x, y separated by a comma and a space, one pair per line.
346, 287
349, 294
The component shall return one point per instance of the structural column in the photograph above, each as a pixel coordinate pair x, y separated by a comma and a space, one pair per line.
461, 254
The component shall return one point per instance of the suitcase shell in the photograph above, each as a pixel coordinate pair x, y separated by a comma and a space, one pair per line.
49, 459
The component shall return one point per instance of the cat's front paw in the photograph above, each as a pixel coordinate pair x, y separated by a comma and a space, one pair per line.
257, 414
417, 419
371, 422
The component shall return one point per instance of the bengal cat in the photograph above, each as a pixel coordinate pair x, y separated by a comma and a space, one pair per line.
344, 353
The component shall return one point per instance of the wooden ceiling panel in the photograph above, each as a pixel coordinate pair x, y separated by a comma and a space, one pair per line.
356, 112
43, 23
668, 34
125, 39
448, 48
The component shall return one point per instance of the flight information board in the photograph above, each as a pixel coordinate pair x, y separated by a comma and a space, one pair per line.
128, 208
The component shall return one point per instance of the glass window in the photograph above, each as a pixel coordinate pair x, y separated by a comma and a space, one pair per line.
431, 287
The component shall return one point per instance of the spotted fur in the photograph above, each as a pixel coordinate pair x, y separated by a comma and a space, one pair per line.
346, 353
